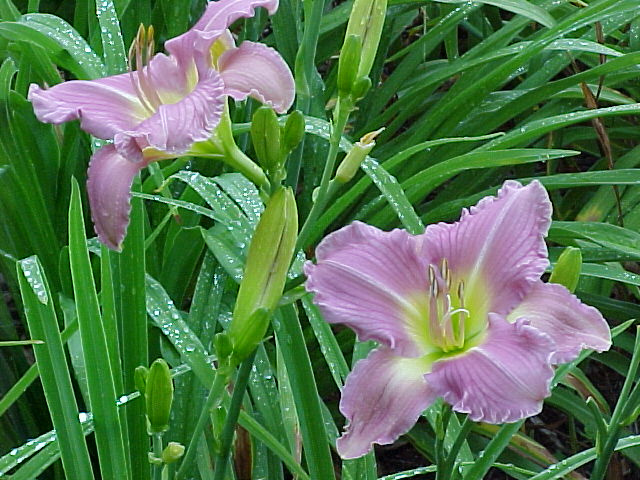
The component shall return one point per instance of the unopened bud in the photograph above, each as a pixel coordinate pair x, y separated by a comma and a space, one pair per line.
140, 378
172, 452
265, 273
361, 87
366, 21
293, 131
348, 63
567, 269
265, 136
223, 345
159, 396
350, 164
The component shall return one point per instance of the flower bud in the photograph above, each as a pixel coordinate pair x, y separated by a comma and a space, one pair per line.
567, 269
265, 136
140, 378
350, 164
172, 452
265, 272
366, 21
361, 87
348, 63
293, 131
223, 346
159, 396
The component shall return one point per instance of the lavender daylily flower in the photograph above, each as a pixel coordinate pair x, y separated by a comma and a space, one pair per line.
459, 312
166, 106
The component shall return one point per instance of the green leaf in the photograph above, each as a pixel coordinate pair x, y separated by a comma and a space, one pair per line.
100, 383
60, 40
115, 57
520, 7
53, 368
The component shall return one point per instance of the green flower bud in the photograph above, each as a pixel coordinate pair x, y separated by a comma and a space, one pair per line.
293, 131
265, 273
361, 87
172, 452
159, 396
348, 63
567, 269
223, 346
140, 378
366, 21
265, 136
247, 339
350, 164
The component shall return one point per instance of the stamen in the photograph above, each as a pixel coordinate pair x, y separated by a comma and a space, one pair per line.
433, 282
447, 314
461, 294
142, 50
446, 273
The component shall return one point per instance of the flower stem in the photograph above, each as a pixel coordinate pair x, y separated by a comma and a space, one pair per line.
340, 117
232, 417
157, 451
449, 462
442, 422
213, 400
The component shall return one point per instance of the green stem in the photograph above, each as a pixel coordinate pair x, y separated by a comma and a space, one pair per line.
213, 400
157, 451
441, 429
447, 466
232, 417
340, 116
604, 456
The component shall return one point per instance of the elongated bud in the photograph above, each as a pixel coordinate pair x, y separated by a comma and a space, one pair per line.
159, 396
349, 63
265, 272
140, 378
172, 452
293, 131
223, 346
567, 270
350, 164
366, 21
265, 136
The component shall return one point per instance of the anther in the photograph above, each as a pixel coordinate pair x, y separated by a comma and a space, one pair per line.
433, 282
446, 273
461, 294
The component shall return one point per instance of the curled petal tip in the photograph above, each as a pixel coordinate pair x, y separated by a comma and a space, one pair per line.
109, 187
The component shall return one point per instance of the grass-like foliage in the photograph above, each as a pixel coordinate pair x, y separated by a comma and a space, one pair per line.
460, 97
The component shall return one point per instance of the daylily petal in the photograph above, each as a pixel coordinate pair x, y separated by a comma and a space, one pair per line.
255, 70
169, 78
109, 182
363, 278
383, 397
571, 324
104, 106
501, 380
174, 127
196, 42
498, 246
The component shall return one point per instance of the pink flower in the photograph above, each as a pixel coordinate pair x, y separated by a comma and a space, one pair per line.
459, 312
167, 105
